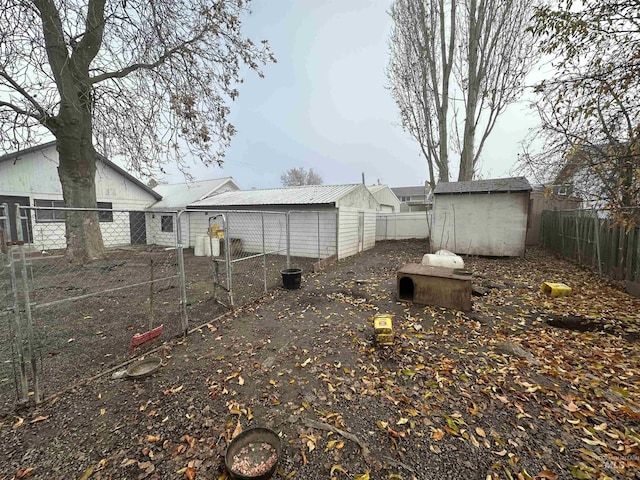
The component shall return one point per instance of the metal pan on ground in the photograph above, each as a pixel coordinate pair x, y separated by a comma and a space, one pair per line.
253, 455
144, 368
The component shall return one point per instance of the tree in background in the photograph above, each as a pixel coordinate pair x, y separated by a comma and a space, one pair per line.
479, 50
590, 109
296, 177
150, 81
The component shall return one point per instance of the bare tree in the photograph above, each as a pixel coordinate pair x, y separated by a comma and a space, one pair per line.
152, 79
497, 54
419, 71
590, 108
485, 44
295, 177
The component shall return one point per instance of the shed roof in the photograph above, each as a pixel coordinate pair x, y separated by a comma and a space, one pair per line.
179, 195
511, 184
305, 195
102, 158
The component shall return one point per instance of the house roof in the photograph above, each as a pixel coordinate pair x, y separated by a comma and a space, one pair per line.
410, 191
179, 195
102, 158
511, 184
305, 195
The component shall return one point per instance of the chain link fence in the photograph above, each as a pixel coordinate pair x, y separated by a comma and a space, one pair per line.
62, 321
70, 320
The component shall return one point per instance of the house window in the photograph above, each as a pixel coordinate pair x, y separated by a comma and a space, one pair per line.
166, 223
49, 215
105, 215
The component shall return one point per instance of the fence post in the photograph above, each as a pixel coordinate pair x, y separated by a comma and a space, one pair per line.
578, 237
386, 226
181, 275
596, 225
288, 241
337, 217
318, 214
227, 256
27, 308
264, 256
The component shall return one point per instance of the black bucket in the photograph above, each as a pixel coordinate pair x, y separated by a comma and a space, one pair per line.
291, 278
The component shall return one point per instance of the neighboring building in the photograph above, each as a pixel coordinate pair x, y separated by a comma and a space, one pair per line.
348, 218
414, 199
176, 197
482, 217
554, 197
388, 201
30, 178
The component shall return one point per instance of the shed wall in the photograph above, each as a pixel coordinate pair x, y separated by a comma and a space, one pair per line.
351, 239
492, 224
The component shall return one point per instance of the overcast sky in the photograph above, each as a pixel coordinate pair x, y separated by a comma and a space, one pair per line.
324, 105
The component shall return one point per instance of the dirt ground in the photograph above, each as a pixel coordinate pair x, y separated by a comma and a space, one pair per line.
524, 386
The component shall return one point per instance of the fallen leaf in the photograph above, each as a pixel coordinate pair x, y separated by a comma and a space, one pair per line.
481, 432
18, 423
240, 381
24, 472
337, 468
238, 430
364, 476
39, 419
190, 473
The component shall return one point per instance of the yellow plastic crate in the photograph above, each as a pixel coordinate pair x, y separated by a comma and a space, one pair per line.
555, 289
383, 328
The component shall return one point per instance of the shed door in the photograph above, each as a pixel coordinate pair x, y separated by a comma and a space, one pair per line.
360, 231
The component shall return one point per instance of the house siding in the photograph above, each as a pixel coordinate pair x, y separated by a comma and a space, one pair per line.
34, 175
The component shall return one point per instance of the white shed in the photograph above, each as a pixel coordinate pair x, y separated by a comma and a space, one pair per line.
349, 215
482, 217
387, 200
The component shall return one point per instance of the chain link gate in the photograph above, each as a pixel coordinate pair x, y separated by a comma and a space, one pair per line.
66, 320
249, 249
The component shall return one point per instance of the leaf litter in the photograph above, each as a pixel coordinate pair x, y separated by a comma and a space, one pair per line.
499, 392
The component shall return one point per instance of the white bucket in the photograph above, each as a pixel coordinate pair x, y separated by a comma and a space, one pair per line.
443, 258
215, 247
198, 248
206, 246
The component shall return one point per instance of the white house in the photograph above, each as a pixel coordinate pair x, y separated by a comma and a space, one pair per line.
387, 200
176, 197
414, 199
347, 219
482, 217
30, 178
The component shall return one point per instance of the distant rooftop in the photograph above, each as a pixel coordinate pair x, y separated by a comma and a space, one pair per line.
409, 191
511, 184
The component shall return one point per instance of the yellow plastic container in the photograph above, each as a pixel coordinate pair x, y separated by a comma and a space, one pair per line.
555, 289
383, 328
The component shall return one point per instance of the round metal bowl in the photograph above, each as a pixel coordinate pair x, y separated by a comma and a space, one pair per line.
253, 435
144, 367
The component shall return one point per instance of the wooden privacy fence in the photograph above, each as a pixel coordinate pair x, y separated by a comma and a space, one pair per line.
590, 238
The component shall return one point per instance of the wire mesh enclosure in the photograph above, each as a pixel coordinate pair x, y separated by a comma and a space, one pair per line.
63, 320
69, 320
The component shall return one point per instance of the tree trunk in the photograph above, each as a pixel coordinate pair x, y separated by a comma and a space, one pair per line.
77, 173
